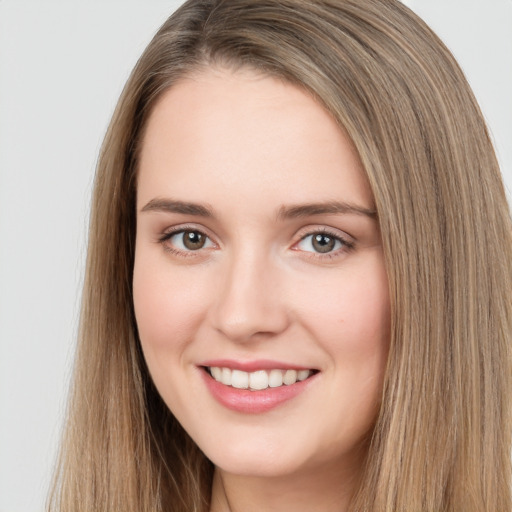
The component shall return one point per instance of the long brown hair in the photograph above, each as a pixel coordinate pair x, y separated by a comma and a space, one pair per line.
442, 441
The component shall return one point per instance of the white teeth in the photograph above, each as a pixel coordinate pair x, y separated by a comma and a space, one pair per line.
239, 379
225, 377
216, 373
290, 377
302, 374
275, 378
258, 380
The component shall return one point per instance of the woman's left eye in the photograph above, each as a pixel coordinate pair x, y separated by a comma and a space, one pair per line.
187, 240
322, 243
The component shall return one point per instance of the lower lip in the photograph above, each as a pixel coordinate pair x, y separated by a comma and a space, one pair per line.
254, 402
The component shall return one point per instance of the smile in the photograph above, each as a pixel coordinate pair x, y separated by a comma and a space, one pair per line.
257, 380
258, 388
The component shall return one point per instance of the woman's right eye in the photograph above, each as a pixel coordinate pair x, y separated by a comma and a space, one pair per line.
186, 240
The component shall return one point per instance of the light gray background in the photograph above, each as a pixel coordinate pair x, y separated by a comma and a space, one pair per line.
62, 67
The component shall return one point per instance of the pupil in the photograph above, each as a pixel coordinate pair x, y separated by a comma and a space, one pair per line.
323, 243
193, 240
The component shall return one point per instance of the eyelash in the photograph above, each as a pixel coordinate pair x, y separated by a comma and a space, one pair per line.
346, 245
181, 229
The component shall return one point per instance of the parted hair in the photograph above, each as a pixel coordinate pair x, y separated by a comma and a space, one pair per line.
442, 438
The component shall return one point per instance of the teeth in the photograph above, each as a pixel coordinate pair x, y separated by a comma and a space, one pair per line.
302, 374
225, 376
290, 377
275, 378
239, 379
216, 373
261, 379
258, 380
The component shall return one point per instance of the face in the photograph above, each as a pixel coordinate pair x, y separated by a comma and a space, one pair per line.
259, 284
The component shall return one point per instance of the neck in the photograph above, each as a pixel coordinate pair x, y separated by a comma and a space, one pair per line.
325, 489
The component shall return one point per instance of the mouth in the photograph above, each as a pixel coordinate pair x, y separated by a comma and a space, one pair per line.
256, 386
258, 380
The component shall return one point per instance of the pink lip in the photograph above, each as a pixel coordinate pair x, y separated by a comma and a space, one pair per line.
253, 402
252, 366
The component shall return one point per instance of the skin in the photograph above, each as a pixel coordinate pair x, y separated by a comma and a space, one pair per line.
248, 147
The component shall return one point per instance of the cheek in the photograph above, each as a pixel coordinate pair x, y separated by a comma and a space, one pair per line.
168, 307
168, 311
350, 312
350, 318
364, 316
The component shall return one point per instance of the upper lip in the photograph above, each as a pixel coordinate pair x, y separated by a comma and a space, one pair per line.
252, 366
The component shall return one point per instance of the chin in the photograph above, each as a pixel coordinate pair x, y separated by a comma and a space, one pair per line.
265, 457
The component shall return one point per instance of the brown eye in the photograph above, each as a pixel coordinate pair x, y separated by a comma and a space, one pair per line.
193, 240
186, 240
323, 243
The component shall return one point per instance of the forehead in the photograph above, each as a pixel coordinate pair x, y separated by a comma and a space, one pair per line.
246, 134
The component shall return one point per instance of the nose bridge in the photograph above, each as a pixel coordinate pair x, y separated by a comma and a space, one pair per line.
249, 301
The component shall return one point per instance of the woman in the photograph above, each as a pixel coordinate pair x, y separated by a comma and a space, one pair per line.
297, 289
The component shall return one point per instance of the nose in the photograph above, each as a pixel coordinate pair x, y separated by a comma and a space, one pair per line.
250, 304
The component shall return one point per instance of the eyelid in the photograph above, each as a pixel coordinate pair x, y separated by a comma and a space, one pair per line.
178, 228
313, 229
168, 233
347, 241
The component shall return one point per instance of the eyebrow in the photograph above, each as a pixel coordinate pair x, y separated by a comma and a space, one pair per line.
324, 208
172, 206
284, 213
